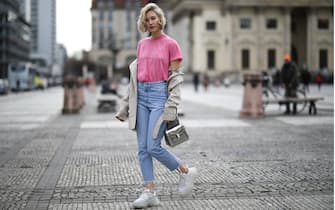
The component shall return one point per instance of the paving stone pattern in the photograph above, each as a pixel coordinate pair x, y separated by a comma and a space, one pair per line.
269, 164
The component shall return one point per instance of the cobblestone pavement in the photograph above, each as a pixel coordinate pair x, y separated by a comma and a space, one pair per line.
88, 161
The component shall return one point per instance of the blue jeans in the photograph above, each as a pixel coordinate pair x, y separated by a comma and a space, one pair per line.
150, 106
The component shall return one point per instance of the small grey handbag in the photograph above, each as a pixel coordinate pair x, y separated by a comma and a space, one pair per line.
175, 133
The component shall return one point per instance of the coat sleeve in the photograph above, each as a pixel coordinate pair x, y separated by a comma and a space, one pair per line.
123, 112
174, 92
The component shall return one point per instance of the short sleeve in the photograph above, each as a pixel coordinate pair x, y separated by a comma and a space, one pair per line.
174, 51
138, 49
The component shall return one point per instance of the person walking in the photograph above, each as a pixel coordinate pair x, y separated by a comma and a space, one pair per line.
276, 80
152, 100
205, 81
196, 81
305, 77
318, 80
289, 74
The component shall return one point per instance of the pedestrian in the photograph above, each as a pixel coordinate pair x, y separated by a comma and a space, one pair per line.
153, 97
318, 80
196, 81
205, 81
18, 86
289, 75
276, 80
305, 77
265, 79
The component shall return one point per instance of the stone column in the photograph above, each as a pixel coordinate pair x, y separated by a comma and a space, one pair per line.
234, 28
287, 32
310, 38
259, 30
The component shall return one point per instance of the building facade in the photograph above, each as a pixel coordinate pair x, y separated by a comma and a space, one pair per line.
60, 60
14, 36
42, 16
221, 36
114, 31
234, 36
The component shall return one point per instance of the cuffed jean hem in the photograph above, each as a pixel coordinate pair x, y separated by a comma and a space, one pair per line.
147, 182
174, 167
171, 169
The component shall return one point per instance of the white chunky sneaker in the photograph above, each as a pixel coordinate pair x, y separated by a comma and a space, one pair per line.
146, 199
186, 181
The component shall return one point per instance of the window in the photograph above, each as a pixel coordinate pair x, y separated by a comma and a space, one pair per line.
101, 16
271, 58
94, 37
245, 23
3, 18
293, 26
101, 39
245, 59
110, 4
271, 23
110, 16
323, 58
210, 59
323, 23
129, 21
101, 4
211, 25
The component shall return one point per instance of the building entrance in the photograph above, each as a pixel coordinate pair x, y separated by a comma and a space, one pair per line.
299, 35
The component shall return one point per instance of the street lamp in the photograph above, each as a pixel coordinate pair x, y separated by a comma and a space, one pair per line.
115, 50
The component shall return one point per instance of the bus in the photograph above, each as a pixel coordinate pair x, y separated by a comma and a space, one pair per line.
21, 76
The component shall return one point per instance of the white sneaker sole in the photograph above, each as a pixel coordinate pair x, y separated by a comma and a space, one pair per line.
155, 202
189, 192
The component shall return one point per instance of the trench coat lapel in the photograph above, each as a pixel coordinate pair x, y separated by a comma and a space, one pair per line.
133, 71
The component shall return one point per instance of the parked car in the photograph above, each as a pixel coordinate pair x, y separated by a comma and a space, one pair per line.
4, 87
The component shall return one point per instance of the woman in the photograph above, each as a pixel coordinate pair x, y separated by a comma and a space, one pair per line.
153, 96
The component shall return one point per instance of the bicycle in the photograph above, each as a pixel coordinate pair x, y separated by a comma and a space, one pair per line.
268, 93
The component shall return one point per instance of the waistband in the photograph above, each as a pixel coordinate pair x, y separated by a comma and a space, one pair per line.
157, 83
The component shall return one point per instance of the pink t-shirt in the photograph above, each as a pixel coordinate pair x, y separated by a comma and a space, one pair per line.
154, 56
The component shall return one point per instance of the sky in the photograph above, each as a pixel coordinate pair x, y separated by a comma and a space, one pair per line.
73, 22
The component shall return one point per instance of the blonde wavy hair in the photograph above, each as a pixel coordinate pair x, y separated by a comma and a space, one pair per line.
141, 19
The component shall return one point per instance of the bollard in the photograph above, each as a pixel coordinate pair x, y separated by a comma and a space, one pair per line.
76, 97
68, 95
81, 93
73, 95
68, 100
252, 97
